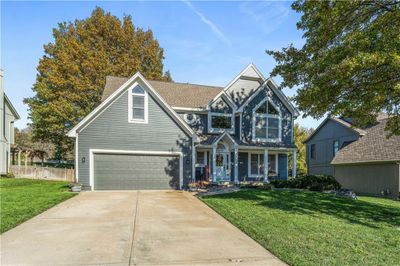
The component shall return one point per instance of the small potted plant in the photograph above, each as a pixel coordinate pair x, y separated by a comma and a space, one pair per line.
75, 187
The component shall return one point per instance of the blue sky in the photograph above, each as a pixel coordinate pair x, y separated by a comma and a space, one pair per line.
204, 42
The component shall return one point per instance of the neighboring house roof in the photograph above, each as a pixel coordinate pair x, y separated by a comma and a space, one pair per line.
373, 147
117, 92
340, 121
175, 94
12, 108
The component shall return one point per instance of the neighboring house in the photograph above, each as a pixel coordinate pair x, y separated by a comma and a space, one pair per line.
159, 135
328, 138
362, 159
370, 165
8, 115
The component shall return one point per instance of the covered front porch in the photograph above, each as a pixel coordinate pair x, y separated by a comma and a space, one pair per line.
224, 160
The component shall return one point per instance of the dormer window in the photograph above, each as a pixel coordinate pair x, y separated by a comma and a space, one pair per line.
138, 105
220, 122
266, 122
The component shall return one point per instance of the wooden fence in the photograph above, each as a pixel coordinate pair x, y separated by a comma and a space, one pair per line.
49, 173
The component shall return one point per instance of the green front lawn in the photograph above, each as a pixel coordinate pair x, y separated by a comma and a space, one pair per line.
309, 228
21, 199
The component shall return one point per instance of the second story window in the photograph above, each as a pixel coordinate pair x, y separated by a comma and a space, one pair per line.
335, 147
266, 122
219, 122
138, 105
312, 151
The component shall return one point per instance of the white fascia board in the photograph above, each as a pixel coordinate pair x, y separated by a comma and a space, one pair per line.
283, 97
251, 65
73, 131
222, 136
177, 108
225, 97
98, 109
12, 108
277, 92
260, 88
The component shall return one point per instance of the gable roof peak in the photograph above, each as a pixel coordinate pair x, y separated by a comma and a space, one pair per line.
116, 93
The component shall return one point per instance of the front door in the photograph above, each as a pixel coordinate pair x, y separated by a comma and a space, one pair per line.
222, 167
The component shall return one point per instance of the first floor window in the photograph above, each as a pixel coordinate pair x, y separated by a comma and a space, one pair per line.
272, 164
335, 147
256, 164
221, 121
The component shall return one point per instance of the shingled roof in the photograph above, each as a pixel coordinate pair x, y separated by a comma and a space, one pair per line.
374, 146
175, 94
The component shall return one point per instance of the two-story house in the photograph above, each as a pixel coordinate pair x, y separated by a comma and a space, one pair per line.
362, 159
8, 115
160, 135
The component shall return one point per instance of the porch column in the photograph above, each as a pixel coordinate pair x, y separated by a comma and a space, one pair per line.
294, 164
214, 158
19, 159
236, 165
266, 165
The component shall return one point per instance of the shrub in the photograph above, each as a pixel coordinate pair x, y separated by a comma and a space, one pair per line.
259, 185
311, 182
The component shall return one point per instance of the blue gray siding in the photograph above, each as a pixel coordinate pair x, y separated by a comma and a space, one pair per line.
243, 166
201, 123
237, 126
323, 140
111, 130
248, 116
221, 106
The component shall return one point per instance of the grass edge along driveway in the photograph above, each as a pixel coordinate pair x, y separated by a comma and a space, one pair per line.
22, 199
310, 228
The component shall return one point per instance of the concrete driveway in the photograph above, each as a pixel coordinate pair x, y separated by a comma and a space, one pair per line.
131, 228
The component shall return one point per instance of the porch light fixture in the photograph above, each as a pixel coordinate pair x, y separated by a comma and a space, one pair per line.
83, 159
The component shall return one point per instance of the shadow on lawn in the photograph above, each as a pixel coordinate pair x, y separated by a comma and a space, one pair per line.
311, 203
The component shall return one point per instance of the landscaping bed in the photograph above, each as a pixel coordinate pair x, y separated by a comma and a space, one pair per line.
310, 228
21, 199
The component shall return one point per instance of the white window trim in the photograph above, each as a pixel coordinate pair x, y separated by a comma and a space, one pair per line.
130, 105
258, 153
333, 147
266, 116
221, 130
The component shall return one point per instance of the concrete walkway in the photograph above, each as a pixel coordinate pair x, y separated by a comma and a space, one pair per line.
131, 228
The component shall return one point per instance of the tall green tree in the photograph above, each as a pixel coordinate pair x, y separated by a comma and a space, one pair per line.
350, 63
71, 74
300, 135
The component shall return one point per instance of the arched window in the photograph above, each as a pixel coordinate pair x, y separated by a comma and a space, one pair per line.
138, 105
266, 122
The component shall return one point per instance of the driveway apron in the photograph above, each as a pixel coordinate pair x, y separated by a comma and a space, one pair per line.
131, 228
